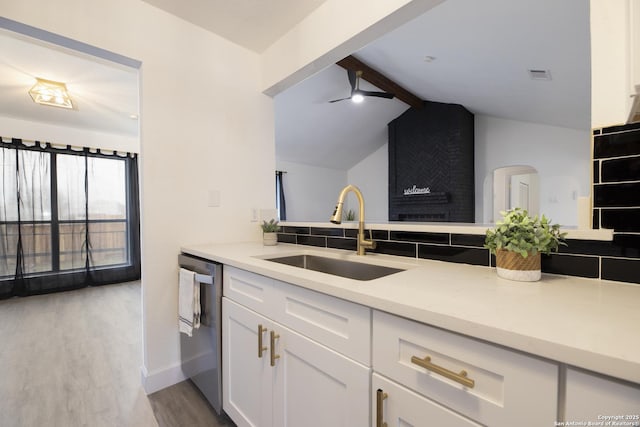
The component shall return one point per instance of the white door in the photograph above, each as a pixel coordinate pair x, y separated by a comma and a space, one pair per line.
316, 386
247, 378
401, 407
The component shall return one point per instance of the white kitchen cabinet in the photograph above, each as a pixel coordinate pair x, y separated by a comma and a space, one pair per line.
592, 398
480, 381
397, 406
250, 289
296, 380
247, 379
316, 386
333, 322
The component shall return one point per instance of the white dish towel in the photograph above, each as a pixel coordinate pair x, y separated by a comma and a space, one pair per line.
188, 302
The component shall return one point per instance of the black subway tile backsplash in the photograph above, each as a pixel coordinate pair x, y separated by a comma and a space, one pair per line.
338, 243
286, 238
476, 240
396, 248
327, 231
312, 241
380, 235
623, 245
614, 260
377, 234
420, 237
296, 230
456, 254
620, 269
571, 265
621, 219
616, 144
620, 128
624, 169
616, 199
627, 245
617, 195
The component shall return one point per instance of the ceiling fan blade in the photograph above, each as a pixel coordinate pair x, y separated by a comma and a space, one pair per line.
341, 99
377, 94
352, 79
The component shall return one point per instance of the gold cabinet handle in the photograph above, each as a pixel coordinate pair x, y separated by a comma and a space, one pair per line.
380, 397
261, 348
460, 377
274, 356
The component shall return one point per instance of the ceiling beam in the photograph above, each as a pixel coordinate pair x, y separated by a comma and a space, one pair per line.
380, 81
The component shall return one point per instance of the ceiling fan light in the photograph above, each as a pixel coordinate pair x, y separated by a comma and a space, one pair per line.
357, 98
48, 92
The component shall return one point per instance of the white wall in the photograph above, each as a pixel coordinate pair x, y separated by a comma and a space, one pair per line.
65, 135
634, 46
310, 192
561, 156
615, 57
205, 125
371, 175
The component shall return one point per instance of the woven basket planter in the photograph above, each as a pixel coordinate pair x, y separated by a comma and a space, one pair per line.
513, 266
269, 239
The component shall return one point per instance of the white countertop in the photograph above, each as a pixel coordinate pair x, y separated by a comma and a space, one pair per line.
589, 323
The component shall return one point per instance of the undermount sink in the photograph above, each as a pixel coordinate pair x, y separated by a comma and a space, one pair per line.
337, 267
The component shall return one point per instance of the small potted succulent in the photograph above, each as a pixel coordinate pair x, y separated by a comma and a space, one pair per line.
350, 215
517, 242
269, 232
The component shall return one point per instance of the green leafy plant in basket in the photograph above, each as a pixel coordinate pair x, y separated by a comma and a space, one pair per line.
520, 233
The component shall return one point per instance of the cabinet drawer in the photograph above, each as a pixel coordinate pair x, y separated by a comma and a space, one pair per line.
249, 289
510, 388
341, 325
590, 396
403, 407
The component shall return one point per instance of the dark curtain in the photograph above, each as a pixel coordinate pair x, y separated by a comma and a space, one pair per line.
68, 219
280, 202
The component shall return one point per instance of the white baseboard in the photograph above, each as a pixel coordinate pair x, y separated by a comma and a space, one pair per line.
163, 378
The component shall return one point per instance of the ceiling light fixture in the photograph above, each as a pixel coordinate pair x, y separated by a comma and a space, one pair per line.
48, 92
357, 97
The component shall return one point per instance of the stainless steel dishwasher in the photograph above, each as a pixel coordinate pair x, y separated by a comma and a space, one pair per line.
201, 353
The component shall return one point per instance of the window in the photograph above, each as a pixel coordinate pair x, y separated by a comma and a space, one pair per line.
63, 212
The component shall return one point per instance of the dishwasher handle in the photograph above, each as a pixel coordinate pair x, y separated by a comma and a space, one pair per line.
204, 278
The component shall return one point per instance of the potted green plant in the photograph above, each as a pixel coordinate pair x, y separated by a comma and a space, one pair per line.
517, 242
350, 215
269, 232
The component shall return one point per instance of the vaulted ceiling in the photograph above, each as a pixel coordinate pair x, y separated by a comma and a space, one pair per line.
462, 51
469, 52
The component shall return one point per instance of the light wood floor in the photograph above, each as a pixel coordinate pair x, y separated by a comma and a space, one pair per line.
73, 359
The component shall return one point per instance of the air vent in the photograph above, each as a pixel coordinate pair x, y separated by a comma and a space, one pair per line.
540, 74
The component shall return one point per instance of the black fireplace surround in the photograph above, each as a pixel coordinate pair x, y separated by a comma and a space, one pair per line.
431, 173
